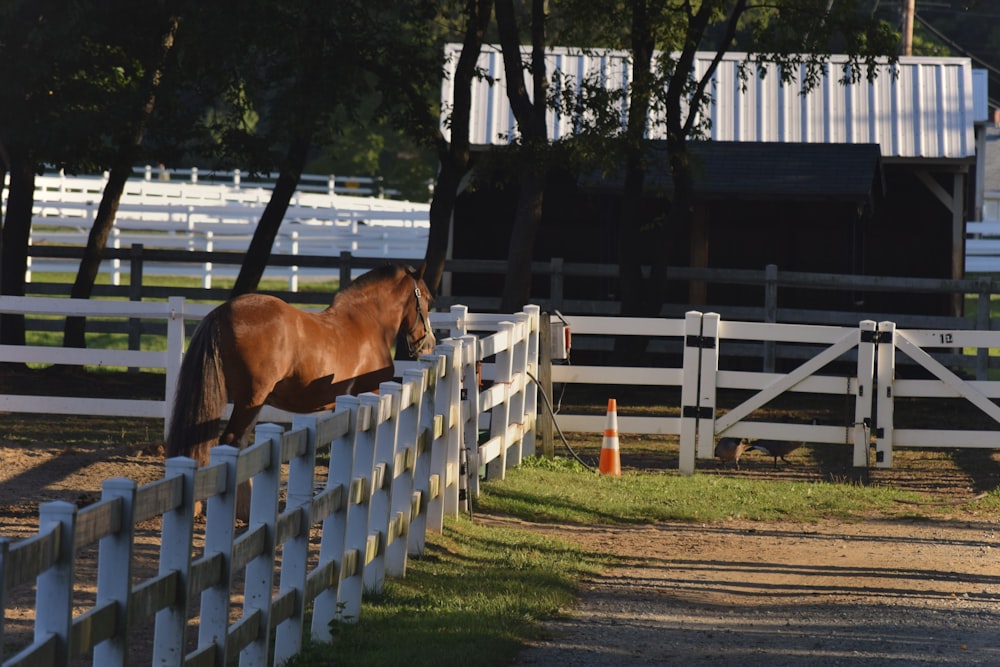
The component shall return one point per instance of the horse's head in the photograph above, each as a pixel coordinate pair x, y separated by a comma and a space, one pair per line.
419, 335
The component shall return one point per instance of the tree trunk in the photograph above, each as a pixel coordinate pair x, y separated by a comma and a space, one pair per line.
259, 251
454, 156
14, 240
107, 211
530, 116
517, 286
90, 264
636, 241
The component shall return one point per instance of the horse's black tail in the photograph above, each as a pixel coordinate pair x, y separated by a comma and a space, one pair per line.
200, 398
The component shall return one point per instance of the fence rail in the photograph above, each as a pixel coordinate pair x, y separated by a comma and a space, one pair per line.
395, 472
845, 364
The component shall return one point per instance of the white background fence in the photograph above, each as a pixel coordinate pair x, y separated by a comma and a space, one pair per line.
186, 215
845, 364
396, 469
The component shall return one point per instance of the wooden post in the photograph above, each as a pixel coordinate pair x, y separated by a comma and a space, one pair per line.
410, 395
470, 394
770, 311
359, 492
175, 355
295, 550
500, 413
175, 556
135, 294
983, 324
544, 424
259, 572
385, 411
54, 590
114, 573
530, 371
213, 628
333, 546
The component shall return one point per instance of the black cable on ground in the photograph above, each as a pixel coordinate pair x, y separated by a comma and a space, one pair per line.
548, 404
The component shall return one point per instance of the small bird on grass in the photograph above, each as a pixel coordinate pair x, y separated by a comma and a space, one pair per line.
730, 449
776, 448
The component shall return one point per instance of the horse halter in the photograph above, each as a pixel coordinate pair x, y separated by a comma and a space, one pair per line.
428, 336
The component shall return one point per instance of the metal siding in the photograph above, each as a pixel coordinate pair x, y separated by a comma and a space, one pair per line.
927, 111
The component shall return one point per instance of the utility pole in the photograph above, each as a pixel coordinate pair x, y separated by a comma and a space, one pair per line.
907, 9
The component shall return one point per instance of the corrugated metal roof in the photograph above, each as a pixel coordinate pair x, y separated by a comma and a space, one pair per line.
927, 110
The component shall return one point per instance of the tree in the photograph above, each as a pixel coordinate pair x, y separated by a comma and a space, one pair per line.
530, 115
663, 39
150, 66
57, 96
311, 60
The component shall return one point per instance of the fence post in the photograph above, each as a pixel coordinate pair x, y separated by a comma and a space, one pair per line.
259, 572
544, 426
452, 387
520, 383
386, 412
135, 294
459, 314
175, 556
54, 586
707, 385
419, 501
358, 505
533, 346
175, 355
470, 397
770, 311
500, 414
438, 445
866, 388
408, 399
345, 269
114, 572
531, 382
295, 550
213, 628
332, 548
689, 392
884, 404
983, 324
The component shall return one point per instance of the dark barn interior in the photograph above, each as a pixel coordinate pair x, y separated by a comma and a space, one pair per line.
822, 208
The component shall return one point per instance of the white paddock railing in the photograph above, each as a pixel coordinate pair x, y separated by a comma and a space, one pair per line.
837, 362
193, 216
395, 472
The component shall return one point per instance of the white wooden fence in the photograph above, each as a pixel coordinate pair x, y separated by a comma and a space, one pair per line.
222, 216
847, 364
396, 470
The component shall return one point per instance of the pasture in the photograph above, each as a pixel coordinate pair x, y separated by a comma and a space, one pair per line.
653, 523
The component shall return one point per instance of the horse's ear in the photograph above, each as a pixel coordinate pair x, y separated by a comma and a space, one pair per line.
421, 270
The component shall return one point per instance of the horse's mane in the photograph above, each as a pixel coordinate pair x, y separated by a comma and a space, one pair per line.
382, 273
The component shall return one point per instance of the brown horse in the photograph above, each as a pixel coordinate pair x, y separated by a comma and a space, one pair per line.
262, 351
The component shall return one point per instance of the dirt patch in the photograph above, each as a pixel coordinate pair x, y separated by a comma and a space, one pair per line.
741, 593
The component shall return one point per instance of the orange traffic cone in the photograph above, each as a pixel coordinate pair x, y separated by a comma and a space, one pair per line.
610, 461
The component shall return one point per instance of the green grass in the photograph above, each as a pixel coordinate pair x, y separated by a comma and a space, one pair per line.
567, 492
473, 598
477, 594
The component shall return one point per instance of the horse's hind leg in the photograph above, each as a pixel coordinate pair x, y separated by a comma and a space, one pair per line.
237, 433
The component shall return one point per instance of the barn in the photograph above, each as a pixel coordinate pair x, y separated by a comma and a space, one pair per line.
871, 178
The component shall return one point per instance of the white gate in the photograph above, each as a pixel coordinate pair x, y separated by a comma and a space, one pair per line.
945, 384
809, 377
